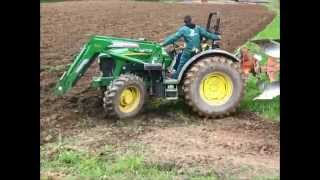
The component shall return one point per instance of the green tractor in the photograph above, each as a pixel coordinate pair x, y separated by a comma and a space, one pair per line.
211, 82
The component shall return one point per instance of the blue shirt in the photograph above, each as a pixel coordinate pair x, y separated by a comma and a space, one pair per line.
191, 36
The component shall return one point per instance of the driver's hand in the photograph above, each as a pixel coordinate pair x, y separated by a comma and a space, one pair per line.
218, 36
169, 49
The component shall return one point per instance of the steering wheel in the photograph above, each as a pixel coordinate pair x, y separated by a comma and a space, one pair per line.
177, 47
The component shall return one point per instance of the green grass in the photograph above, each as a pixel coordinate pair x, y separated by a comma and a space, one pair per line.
272, 31
75, 163
266, 178
266, 108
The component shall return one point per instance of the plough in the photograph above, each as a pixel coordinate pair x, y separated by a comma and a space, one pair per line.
251, 63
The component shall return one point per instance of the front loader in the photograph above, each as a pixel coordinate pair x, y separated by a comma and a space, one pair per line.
211, 82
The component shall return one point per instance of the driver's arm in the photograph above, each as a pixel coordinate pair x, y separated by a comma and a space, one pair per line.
208, 35
172, 38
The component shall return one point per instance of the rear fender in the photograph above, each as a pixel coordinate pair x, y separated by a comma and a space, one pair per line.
211, 52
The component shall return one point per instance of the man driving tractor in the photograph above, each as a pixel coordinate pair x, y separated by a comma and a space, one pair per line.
211, 82
192, 35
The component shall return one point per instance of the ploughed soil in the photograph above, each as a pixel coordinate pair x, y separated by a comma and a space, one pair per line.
243, 144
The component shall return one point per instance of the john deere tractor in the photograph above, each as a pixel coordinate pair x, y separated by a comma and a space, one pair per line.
210, 82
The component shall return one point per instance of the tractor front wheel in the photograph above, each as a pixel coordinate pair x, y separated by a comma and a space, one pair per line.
125, 96
213, 87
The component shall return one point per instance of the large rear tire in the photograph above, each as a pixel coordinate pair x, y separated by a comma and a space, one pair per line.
214, 86
125, 96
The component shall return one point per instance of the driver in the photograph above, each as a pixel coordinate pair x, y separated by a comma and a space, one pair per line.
192, 35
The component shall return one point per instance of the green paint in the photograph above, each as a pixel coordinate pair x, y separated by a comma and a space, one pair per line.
116, 48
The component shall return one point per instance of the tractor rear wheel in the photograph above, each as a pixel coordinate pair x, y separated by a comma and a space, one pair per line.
213, 86
125, 96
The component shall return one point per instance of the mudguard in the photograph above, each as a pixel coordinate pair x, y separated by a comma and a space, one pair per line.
211, 52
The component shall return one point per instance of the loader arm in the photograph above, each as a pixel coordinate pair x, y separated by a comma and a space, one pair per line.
109, 46
80, 64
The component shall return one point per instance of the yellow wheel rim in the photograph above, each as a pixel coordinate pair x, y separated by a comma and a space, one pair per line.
129, 99
216, 88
